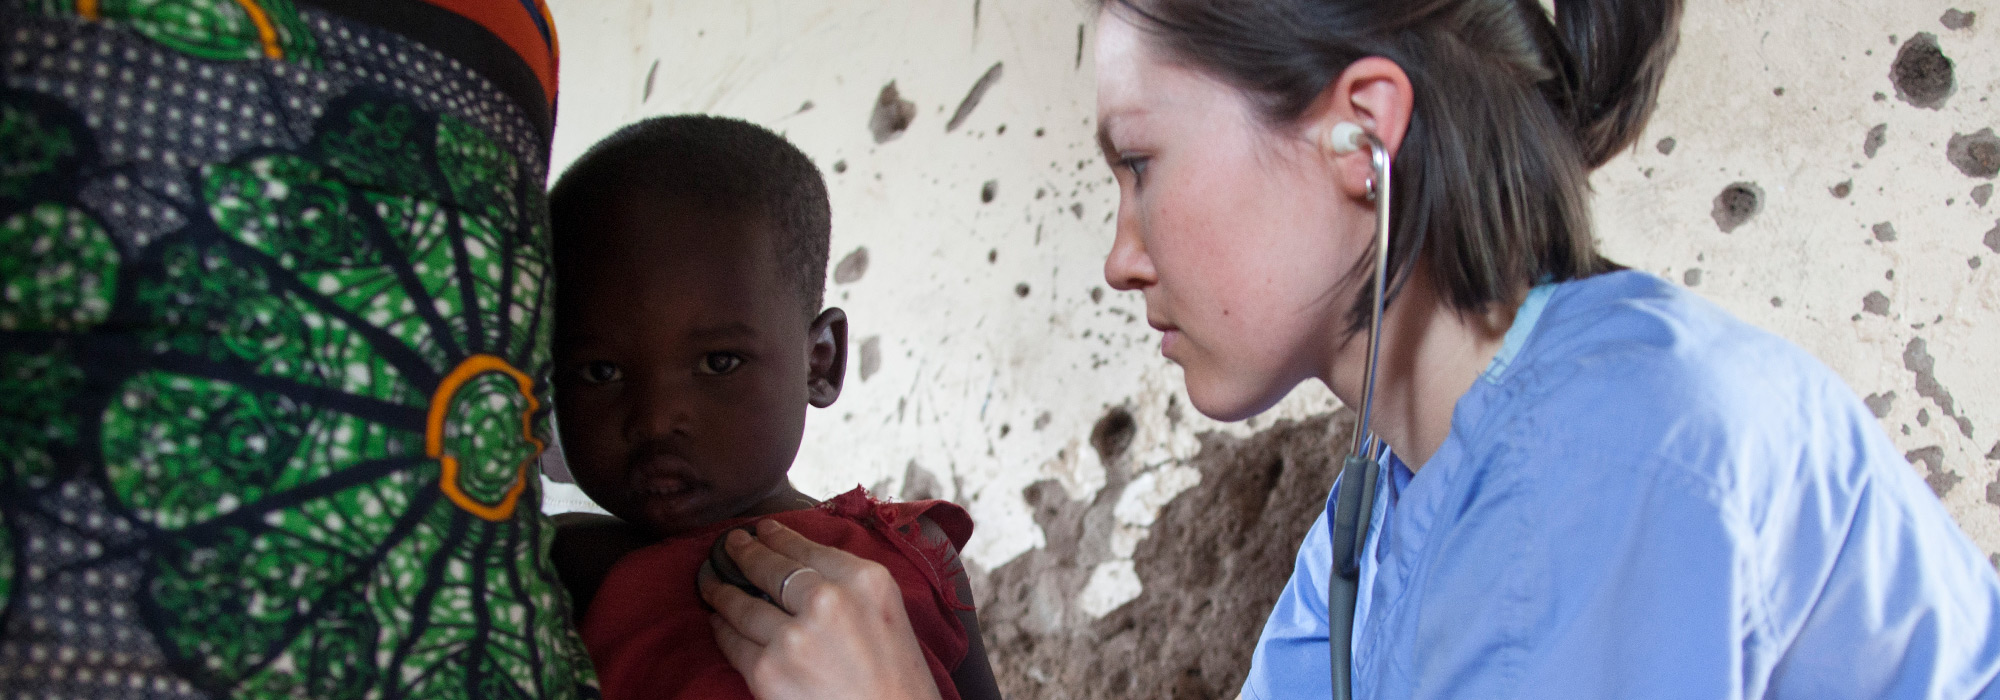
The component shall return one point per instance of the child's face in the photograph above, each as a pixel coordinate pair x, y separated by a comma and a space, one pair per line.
684, 363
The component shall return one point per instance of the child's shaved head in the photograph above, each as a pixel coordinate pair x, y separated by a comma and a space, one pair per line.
722, 164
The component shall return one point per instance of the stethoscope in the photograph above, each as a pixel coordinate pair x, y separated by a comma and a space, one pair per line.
1355, 500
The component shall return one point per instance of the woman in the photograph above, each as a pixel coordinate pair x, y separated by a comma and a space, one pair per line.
1596, 484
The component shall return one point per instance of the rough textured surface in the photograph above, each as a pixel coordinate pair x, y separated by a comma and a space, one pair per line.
1214, 562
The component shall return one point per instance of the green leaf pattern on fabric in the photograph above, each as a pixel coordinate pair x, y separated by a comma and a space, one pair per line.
306, 346
219, 30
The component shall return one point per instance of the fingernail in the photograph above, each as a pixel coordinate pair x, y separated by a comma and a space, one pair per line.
738, 538
768, 526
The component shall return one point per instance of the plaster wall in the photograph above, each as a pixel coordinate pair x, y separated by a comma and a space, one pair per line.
987, 348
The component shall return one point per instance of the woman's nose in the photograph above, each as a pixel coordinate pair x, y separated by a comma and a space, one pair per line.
1128, 267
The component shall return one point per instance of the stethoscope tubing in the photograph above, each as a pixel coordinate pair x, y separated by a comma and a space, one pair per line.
1354, 502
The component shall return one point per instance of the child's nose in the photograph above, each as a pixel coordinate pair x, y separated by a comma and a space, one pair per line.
656, 410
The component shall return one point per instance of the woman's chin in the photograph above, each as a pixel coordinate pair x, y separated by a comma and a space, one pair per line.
1229, 402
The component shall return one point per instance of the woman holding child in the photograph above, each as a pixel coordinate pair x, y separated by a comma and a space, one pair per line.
1595, 483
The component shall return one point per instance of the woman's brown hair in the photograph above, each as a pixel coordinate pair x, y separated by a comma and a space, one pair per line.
1512, 109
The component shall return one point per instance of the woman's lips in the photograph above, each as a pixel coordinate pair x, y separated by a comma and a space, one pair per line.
1169, 334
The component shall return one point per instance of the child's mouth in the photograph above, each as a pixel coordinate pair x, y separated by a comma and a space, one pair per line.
662, 476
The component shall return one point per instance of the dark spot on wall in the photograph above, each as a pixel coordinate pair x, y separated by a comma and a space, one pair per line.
1097, 295
1924, 417
806, 107
871, 357
1994, 454
840, 166
1079, 47
973, 96
1992, 240
1877, 136
1884, 232
1982, 194
1042, 421
1973, 262
1932, 458
1736, 205
1113, 434
1212, 565
892, 115
1006, 428
1777, 92
851, 267
1841, 190
992, 256
1875, 303
919, 484
1880, 404
1666, 146
1777, 302
988, 191
1077, 209
1021, 290
1880, 96
1691, 278
1954, 19
1917, 359
1039, 132
1922, 74
1976, 155
646, 93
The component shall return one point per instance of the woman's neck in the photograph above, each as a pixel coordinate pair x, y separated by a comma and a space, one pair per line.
1430, 357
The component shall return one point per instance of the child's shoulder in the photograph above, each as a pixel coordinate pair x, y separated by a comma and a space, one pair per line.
935, 520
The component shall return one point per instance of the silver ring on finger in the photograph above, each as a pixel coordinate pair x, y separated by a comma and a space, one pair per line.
786, 583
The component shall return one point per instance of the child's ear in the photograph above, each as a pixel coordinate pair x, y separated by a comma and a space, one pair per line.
826, 363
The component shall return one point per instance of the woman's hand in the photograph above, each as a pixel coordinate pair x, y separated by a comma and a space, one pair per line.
847, 635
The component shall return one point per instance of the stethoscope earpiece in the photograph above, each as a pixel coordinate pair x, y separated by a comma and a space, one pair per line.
1345, 138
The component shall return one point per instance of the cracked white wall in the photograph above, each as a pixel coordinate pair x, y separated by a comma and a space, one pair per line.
997, 345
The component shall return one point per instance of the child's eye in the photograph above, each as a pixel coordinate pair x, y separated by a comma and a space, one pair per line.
718, 363
600, 372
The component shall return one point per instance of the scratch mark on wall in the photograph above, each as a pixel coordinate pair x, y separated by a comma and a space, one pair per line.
973, 96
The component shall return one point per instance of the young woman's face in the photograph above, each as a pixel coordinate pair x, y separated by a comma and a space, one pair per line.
1232, 229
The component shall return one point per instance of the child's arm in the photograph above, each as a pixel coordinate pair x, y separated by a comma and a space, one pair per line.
974, 675
586, 546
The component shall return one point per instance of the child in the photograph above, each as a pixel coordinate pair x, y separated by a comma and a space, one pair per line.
691, 253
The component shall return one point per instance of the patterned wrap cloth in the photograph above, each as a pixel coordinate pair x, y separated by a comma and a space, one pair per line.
274, 328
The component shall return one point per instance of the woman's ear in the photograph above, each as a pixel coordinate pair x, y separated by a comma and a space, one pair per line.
1373, 93
826, 360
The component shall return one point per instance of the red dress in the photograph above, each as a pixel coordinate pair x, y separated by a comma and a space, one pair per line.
648, 632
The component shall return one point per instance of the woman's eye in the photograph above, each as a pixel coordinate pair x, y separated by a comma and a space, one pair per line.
719, 363
600, 372
1136, 164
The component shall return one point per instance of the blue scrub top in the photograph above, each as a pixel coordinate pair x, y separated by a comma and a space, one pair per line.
1647, 498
